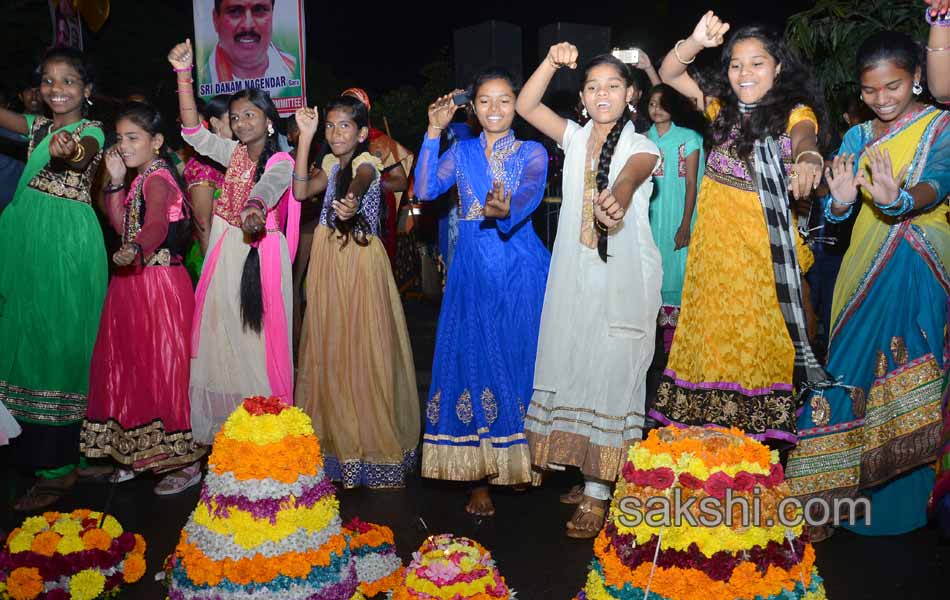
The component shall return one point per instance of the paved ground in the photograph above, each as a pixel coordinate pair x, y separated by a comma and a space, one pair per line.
526, 537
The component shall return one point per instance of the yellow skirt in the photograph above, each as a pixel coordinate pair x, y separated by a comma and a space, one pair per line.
732, 358
356, 377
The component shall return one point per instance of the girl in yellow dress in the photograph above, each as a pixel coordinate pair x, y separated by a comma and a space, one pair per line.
741, 352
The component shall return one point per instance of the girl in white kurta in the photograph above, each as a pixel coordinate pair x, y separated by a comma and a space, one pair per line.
603, 291
241, 334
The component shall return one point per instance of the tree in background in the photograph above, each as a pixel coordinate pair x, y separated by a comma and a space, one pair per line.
405, 108
829, 34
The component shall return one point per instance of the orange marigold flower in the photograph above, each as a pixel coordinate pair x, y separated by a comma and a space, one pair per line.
240, 572
295, 565
134, 568
45, 543
25, 583
81, 513
139, 545
96, 539
51, 516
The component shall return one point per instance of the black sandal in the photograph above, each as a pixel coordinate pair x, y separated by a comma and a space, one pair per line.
39, 490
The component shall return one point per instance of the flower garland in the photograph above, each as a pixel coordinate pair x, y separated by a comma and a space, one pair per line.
452, 568
71, 556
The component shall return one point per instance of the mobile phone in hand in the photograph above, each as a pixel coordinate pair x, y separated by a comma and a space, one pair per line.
630, 56
461, 99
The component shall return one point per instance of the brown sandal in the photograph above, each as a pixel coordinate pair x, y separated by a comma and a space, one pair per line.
588, 519
45, 493
574, 496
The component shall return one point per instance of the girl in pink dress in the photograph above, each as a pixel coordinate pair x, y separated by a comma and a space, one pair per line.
139, 413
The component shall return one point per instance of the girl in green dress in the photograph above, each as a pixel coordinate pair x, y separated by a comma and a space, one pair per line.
52, 278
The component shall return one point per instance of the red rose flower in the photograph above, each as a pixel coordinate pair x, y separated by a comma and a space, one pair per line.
258, 405
126, 541
688, 480
661, 478
717, 484
744, 481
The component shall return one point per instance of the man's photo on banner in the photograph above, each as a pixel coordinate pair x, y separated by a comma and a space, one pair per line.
250, 43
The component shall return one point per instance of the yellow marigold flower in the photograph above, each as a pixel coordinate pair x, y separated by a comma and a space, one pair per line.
24, 583
112, 526
66, 526
34, 525
86, 584
21, 542
69, 544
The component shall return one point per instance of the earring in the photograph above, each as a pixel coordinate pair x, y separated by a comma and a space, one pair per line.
584, 112
270, 129
89, 101
633, 109
917, 89
157, 151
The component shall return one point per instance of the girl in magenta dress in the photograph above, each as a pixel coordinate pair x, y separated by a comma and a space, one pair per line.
139, 413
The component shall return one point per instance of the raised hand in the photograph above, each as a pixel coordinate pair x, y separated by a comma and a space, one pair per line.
346, 207
563, 54
442, 110
63, 145
307, 121
497, 202
115, 165
842, 180
710, 31
182, 56
882, 185
643, 61
125, 255
938, 7
607, 209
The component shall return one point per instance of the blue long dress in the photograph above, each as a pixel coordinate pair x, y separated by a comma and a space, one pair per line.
486, 342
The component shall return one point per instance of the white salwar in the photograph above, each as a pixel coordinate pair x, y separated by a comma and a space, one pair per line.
597, 326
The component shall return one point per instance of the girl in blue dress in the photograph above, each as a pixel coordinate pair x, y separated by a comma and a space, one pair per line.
487, 337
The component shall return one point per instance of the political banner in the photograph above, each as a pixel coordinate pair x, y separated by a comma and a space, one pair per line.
242, 44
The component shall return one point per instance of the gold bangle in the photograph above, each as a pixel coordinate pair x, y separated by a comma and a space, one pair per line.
79, 154
676, 51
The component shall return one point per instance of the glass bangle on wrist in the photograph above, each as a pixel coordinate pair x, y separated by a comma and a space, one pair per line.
301, 178
903, 204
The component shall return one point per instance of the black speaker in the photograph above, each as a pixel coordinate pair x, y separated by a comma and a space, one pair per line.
590, 40
488, 44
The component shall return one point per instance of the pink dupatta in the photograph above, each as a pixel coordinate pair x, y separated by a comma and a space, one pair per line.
284, 217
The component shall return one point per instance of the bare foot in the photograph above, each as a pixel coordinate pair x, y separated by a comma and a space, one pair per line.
479, 503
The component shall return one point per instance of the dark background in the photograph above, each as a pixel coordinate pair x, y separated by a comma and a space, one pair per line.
379, 46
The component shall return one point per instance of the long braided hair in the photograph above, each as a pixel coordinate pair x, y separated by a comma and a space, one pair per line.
610, 142
252, 300
358, 226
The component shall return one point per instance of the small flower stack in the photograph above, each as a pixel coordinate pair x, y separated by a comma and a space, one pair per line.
715, 555
69, 556
452, 568
268, 524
